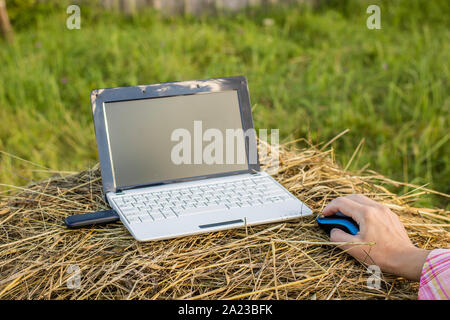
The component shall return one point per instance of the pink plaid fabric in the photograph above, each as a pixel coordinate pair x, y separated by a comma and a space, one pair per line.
435, 278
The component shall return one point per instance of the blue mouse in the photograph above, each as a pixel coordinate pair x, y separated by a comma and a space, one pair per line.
339, 221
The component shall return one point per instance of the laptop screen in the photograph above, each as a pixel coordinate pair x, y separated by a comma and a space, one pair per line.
170, 138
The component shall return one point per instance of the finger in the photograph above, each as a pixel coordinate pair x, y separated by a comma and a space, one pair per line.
347, 206
337, 235
362, 199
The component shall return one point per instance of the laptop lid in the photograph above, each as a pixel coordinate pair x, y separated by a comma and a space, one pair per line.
173, 132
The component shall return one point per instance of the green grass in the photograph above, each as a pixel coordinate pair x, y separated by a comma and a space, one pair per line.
312, 74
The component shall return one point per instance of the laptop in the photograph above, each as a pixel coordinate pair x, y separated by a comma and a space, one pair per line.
180, 158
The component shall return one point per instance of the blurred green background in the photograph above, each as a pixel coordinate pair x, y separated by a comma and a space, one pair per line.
313, 72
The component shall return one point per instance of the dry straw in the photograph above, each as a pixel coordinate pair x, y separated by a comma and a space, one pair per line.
290, 260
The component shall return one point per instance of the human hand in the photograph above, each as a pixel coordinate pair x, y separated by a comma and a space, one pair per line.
393, 251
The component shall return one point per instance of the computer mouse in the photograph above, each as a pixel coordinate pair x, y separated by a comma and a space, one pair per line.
339, 221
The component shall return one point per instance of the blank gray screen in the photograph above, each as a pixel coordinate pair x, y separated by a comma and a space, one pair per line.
140, 131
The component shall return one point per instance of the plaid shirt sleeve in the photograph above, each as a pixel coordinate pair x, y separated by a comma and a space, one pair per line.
435, 278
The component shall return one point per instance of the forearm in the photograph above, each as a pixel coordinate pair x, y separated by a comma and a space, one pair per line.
409, 263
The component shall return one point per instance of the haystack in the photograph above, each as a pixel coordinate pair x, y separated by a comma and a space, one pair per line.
41, 259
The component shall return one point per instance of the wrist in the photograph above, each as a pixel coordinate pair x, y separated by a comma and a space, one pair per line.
409, 262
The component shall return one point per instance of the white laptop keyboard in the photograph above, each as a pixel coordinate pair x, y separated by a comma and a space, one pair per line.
157, 205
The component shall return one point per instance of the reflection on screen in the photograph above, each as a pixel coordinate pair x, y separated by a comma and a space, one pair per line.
160, 139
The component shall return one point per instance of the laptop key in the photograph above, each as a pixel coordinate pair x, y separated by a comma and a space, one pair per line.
132, 213
146, 218
246, 204
169, 214
133, 220
157, 216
